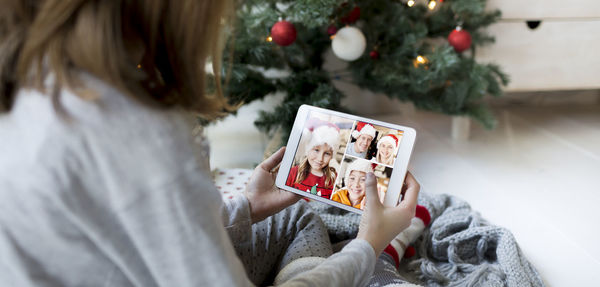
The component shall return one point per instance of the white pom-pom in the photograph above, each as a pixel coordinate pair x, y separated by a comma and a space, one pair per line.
349, 44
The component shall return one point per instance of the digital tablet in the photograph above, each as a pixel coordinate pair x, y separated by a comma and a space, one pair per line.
329, 153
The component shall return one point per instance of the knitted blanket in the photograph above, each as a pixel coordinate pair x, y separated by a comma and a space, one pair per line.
459, 248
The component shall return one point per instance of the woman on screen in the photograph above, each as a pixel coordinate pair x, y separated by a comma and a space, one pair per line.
353, 193
314, 174
386, 148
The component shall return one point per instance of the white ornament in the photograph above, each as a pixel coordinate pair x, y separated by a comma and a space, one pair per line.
349, 44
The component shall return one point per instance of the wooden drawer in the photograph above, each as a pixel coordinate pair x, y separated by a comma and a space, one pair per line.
558, 55
531, 9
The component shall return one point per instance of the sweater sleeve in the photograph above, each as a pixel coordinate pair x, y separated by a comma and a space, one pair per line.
352, 266
236, 218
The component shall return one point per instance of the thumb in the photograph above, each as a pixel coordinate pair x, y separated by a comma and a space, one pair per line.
271, 162
371, 186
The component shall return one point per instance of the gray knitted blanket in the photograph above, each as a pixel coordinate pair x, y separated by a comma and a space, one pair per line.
459, 248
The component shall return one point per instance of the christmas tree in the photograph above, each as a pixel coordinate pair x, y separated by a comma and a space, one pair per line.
417, 51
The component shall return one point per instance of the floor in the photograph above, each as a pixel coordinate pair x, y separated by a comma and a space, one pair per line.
534, 174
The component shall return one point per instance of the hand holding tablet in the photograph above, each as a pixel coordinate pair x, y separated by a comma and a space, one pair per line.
329, 155
379, 224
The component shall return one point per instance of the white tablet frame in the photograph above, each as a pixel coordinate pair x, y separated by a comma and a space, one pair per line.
398, 172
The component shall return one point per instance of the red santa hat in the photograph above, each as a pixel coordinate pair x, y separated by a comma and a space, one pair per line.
389, 138
317, 132
363, 129
359, 165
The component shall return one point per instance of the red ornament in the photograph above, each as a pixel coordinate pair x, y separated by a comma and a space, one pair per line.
374, 55
331, 30
460, 40
352, 16
283, 33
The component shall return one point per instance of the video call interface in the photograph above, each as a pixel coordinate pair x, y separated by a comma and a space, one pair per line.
335, 154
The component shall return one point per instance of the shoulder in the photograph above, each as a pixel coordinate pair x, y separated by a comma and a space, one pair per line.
335, 196
293, 172
114, 134
338, 195
340, 192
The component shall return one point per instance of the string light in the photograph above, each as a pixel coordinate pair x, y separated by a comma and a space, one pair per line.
139, 66
269, 39
419, 61
432, 4
410, 3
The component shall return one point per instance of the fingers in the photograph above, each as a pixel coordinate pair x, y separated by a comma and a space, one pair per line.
371, 186
272, 162
412, 191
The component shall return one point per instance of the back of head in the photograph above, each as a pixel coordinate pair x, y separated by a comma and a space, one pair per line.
152, 50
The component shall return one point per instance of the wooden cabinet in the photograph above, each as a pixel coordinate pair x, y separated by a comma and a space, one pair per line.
560, 54
519, 9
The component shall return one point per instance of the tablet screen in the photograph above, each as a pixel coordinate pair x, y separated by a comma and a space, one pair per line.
335, 153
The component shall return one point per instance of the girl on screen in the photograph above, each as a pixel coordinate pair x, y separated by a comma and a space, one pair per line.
386, 147
314, 174
353, 193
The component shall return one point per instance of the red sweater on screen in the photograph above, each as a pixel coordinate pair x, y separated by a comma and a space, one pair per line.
309, 182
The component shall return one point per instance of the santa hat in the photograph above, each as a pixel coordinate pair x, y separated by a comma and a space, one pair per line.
359, 165
318, 132
363, 129
389, 138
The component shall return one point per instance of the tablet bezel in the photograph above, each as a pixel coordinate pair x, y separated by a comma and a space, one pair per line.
398, 172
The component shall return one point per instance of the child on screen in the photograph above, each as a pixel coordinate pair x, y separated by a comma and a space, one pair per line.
314, 174
353, 193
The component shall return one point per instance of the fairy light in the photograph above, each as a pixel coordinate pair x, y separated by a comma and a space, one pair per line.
410, 3
432, 4
269, 39
139, 66
419, 61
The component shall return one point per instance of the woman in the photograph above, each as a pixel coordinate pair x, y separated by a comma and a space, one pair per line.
353, 193
386, 148
101, 181
314, 174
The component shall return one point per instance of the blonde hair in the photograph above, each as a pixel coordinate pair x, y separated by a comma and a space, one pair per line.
304, 169
63, 36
